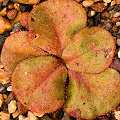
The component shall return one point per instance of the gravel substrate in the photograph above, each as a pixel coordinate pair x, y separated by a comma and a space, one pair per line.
105, 14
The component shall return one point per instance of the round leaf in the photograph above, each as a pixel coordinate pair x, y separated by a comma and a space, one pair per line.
91, 95
90, 50
39, 82
52, 23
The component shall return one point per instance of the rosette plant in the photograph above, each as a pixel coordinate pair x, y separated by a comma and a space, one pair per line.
59, 46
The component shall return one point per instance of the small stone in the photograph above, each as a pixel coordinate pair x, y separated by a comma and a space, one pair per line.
117, 23
91, 13
114, 19
10, 6
17, 6
107, 1
116, 14
117, 1
3, 12
22, 117
118, 42
9, 88
119, 54
108, 26
15, 114
46, 117
112, 3
87, 3
99, 6
10, 97
4, 116
16, 26
5, 2
12, 106
4, 25
17, 18
66, 117
11, 14
24, 19
32, 116
117, 115
30, 2
105, 14
3, 78
21, 108
1, 100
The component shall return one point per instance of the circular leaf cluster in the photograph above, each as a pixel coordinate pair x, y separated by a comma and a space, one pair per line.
58, 46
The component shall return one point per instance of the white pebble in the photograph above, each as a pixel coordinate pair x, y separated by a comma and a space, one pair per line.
32, 116
117, 115
15, 114
118, 23
116, 14
107, 1
119, 53
118, 42
1, 100
22, 117
12, 106
9, 88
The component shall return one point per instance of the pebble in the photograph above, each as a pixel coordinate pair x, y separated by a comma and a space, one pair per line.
117, 1
32, 116
116, 14
17, 18
12, 106
117, 23
3, 78
105, 14
117, 115
98, 6
4, 25
66, 117
10, 6
4, 116
46, 117
9, 88
15, 114
91, 13
108, 26
17, 6
25, 8
3, 12
1, 100
5, 2
87, 3
11, 14
16, 26
107, 1
30, 2
114, 19
22, 117
10, 98
24, 19
119, 54
118, 42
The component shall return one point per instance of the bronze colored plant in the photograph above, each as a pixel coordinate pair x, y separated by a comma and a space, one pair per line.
57, 46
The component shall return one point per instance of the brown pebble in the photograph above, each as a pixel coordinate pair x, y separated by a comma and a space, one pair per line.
24, 19
3, 12
4, 116
99, 6
10, 97
4, 25
12, 14
46, 117
87, 3
21, 108
114, 19
117, 1
105, 14
10, 6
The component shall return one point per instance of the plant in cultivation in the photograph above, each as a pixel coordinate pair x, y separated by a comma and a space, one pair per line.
57, 46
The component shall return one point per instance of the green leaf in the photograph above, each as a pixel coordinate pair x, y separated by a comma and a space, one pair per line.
39, 83
54, 22
91, 95
90, 50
